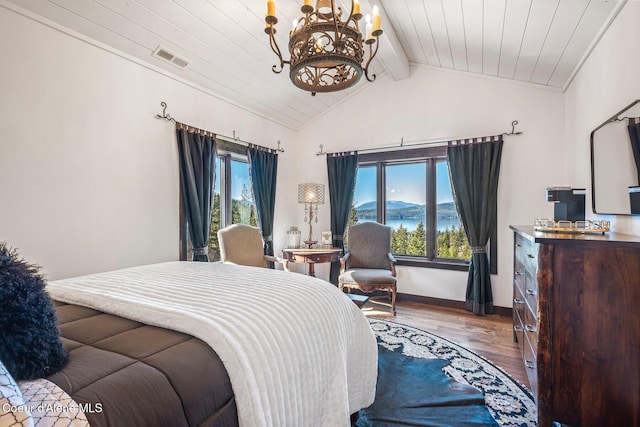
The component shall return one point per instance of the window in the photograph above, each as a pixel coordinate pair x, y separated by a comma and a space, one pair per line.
242, 209
232, 199
405, 207
452, 242
410, 191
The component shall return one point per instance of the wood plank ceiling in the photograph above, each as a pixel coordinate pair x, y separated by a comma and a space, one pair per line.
535, 41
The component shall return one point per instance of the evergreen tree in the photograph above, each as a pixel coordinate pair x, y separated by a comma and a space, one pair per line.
353, 215
464, 250
399, 240
418, 243
253, 220
214, 247
245, 206
444, 244
453, 244
353, 219
235, 212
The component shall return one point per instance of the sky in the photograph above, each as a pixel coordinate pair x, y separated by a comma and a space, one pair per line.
239, 177
404, 182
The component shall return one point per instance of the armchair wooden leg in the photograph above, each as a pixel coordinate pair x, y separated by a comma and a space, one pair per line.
393, 300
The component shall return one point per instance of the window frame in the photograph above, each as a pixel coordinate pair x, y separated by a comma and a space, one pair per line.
430, 156
226, 151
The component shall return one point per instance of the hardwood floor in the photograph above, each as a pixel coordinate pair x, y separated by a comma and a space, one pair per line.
489, 336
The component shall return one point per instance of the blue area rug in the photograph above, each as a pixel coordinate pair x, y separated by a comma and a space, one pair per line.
413, 391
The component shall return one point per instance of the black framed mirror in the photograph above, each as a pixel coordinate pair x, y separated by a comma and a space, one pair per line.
615, 163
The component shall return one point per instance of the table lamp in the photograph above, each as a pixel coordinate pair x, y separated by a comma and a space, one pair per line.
310, 195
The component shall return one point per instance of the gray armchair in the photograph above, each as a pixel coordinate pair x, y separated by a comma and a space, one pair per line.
242, 244
368, 265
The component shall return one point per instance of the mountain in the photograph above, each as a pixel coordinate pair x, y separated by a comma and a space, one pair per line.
366, 206
399, 210
391, 204
399, 204
396, 209
447, 207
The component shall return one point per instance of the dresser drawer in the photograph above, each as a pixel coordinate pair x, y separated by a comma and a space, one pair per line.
530, 364
530, 290
520, 252
519, 305
529, 255
518, 331
530, 324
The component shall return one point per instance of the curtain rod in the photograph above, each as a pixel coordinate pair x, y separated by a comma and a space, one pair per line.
233, 139
403, 144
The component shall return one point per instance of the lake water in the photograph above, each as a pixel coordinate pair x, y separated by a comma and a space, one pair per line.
411, 224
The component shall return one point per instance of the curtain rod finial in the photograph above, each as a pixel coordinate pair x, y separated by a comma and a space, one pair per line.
513, 129
164, 115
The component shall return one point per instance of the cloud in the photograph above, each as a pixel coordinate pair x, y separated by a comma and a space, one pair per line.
393, 190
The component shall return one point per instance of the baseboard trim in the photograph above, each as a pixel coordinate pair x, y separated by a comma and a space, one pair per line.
441, 302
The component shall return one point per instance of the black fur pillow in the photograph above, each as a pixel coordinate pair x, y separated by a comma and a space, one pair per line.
30, 344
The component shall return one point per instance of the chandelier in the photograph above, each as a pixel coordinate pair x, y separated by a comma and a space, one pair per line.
326, 53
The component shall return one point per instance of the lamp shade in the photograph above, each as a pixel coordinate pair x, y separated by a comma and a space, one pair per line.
311, 193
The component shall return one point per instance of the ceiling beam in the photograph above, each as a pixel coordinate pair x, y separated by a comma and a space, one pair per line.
390, 54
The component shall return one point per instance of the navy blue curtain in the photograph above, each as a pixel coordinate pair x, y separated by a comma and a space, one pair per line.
197, 172
342, 169
474, 170
634, 136
263, 169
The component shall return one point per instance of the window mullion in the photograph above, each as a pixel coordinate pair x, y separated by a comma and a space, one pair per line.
226, 185
380, 189
431, 210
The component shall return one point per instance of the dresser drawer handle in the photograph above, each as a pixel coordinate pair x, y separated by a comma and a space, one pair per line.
518, 301
518, 328
530, 256
518, 245
529, 364
531, 328
518, 273
531, 292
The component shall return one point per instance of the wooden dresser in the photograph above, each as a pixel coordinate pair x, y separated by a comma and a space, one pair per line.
576, 317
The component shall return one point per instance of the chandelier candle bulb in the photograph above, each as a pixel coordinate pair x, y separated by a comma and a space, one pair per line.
356, 7
306, 8
376, 18
271, 8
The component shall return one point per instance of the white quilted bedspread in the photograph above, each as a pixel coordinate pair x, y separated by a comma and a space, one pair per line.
298, 352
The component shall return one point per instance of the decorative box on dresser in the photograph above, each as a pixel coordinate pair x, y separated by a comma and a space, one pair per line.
576, 317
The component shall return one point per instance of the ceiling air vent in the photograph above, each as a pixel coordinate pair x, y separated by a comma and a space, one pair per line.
165, 55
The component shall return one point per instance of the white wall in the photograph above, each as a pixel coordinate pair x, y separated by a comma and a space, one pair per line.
435, 104
606, 83
89, 176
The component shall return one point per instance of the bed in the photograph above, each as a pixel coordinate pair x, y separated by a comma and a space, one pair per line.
213, 344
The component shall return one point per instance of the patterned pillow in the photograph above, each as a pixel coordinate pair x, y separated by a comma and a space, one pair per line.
13, 410
30, 344
53, 407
